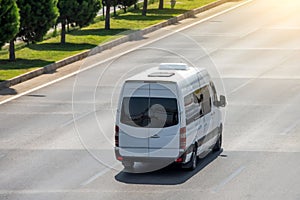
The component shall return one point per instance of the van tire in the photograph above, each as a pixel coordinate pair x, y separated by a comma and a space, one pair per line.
218, 144
193, 161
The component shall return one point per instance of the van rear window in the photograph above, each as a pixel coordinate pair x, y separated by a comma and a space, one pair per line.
149, 112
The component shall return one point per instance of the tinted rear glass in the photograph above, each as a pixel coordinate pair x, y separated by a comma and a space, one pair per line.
149, 112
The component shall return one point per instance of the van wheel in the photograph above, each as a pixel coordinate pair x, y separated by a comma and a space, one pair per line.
193, 160
218, 144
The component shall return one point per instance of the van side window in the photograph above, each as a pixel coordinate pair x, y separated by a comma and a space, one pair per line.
206, 100
215, 95
197, 104
191, 108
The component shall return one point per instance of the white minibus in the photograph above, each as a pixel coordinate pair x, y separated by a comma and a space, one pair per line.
170, 113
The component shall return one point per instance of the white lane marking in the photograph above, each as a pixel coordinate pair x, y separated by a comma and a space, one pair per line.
290, 128
36, 113
2, 156
101, 173
11, 192
241, 86
71, 121
261, 48
210, 17
263, 77
35, 191
228, 179
123, 53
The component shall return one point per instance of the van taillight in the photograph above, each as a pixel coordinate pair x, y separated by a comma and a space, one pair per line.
120, 158
116, 136
182, 138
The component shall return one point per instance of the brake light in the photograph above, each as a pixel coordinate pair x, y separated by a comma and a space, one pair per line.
182, 138
120, 158
116, 136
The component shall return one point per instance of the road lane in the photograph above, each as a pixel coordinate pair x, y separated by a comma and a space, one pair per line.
253, 48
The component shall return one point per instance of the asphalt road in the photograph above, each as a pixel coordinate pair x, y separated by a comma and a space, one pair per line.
57, 142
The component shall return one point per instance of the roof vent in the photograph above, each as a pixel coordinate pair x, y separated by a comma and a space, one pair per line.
173, 66
161, 74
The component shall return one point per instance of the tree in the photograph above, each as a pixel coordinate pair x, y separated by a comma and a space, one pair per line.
37, 17
103, 11
113, 3
161, 4
66, 8
86, 12
107, 14
80, 12
145, 5
9, 23
127, 3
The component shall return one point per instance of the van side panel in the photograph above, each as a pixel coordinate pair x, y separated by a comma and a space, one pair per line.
190, 108
199, 122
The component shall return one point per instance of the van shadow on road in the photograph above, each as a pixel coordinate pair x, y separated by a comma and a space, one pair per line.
170, 175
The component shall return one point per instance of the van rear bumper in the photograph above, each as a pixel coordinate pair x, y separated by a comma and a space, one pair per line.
148, 159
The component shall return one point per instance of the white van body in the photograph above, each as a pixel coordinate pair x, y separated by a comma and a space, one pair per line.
168, 113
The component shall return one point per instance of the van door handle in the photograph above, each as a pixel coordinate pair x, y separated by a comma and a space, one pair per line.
155, 136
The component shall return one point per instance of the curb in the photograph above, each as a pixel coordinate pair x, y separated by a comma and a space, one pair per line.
130, 37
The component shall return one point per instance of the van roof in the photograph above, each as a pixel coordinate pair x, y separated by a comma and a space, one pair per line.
168, 72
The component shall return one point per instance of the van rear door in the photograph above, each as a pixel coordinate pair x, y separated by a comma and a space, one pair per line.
133, 130
149, 120
164, 126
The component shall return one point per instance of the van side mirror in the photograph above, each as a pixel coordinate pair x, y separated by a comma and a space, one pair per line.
222, 102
